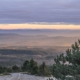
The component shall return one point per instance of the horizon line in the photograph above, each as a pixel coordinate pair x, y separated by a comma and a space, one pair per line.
39, 26
39, 29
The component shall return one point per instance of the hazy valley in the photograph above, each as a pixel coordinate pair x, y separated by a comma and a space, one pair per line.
43, 45
38, 38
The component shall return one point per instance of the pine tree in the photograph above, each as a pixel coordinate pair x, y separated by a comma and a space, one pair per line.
72, 57
25, 66
43, 70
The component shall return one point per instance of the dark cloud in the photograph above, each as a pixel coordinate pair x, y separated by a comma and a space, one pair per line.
23, 11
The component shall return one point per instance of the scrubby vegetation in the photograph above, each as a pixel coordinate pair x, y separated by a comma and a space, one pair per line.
31, 67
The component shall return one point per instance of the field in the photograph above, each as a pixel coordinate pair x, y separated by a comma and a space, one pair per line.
10, 57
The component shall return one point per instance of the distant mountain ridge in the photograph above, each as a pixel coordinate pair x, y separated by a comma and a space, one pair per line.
39, 39
48, 32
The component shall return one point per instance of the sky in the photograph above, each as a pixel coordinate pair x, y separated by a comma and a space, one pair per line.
38, 26
23, 12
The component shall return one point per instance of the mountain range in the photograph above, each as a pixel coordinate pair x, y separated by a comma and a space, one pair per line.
38, 37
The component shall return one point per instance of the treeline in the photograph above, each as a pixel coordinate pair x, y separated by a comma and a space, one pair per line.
23, 51
33, 68
29, 67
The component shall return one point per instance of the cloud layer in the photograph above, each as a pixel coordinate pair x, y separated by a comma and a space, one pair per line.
55, 11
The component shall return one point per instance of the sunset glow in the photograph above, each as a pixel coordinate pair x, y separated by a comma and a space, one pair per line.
38, 26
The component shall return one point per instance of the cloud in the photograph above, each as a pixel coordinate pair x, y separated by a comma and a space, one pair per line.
24, 11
